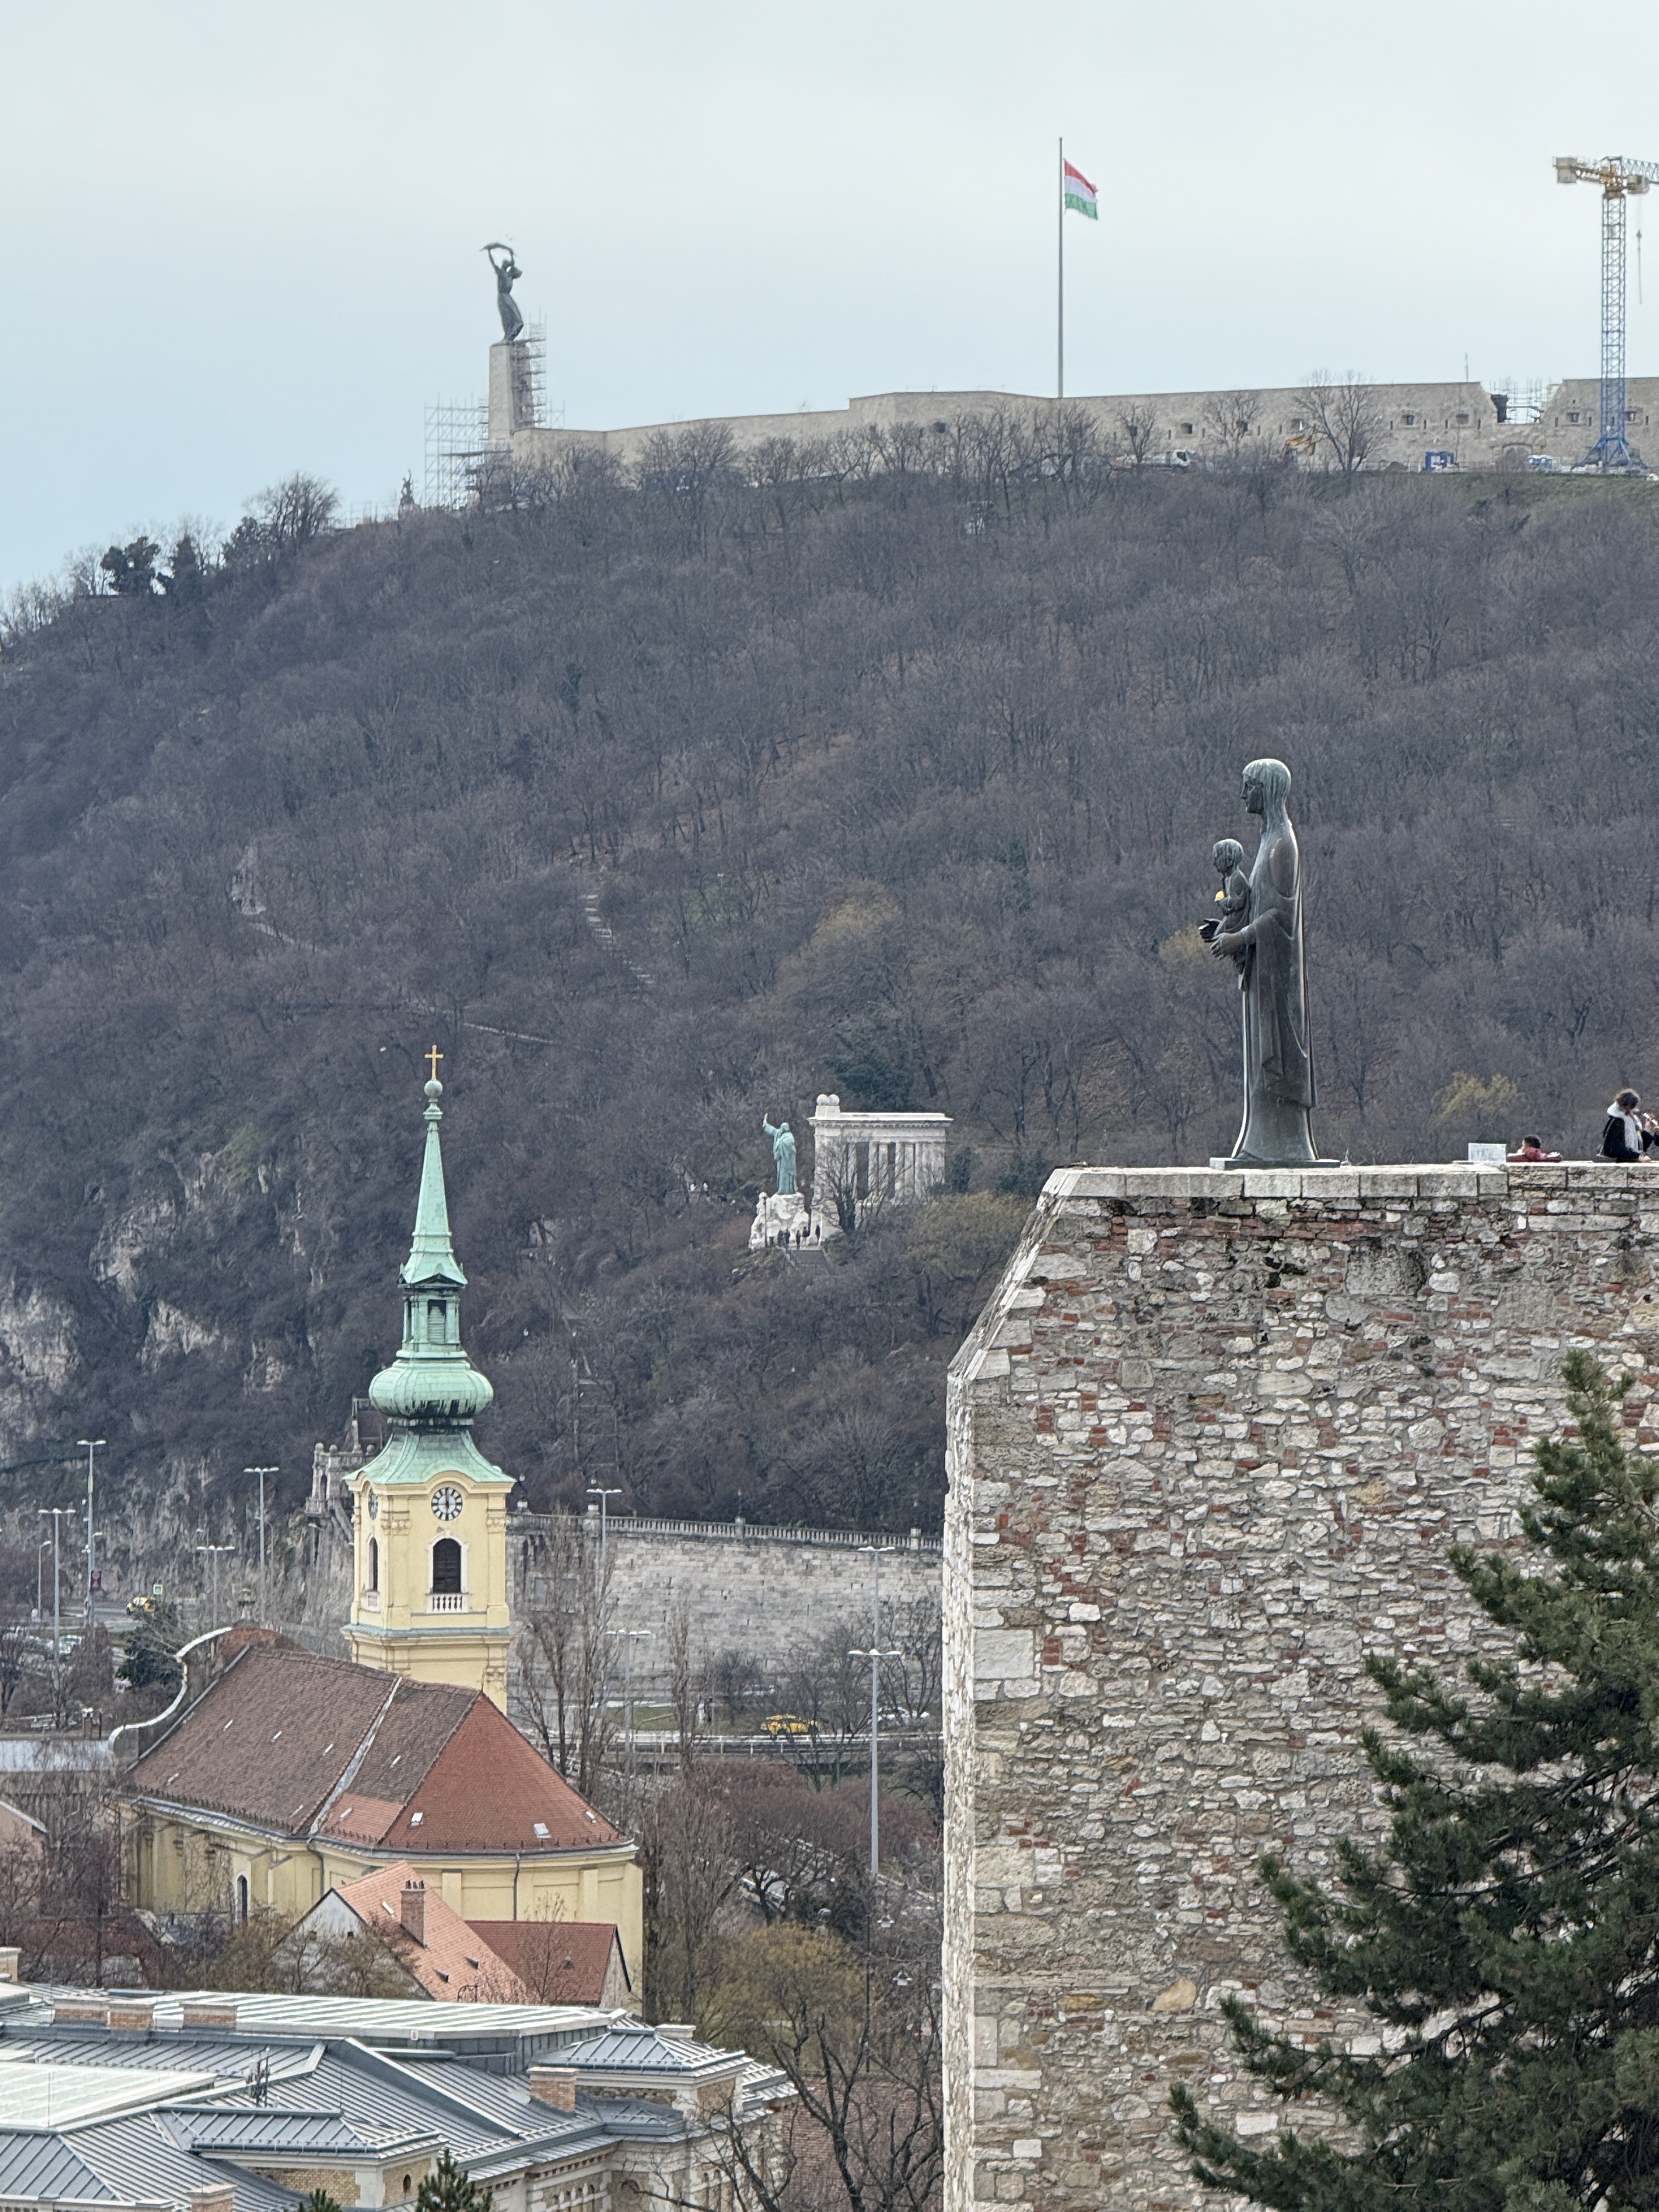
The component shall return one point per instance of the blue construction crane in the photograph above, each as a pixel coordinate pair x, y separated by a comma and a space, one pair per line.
1619, 181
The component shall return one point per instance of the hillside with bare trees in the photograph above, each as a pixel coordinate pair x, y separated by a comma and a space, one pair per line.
662, 804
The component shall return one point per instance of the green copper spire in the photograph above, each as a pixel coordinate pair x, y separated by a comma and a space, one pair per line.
432, 1382
431, 1256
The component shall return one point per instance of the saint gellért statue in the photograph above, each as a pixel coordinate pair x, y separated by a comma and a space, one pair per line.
783, 1156
1266, 943
507, 272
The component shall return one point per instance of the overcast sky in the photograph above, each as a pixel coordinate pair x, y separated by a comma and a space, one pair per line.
238, 241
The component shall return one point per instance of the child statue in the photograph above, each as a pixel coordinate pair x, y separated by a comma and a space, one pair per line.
1233, 898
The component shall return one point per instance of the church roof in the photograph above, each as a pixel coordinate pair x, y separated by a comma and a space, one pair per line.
300, 1745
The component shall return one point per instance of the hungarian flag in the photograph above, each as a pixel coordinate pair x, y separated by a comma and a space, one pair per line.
1079, 192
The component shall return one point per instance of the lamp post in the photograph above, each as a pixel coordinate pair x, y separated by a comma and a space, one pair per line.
57, 1513
262, 1472
40, 1550
215, 1551
91, 1446
594, 1491
875, 1655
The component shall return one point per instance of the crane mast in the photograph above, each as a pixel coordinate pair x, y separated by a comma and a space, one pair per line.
1620, 180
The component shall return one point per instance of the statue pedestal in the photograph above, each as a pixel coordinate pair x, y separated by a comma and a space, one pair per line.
512, 402
780, 1218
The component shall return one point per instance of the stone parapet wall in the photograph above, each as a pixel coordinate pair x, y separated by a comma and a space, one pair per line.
1208, 1445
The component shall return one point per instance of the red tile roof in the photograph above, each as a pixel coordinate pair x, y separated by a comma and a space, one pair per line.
561, 1961
452, 1963
489, 1790
300, 1744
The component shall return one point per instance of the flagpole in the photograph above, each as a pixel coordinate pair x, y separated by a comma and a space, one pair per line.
1060, 373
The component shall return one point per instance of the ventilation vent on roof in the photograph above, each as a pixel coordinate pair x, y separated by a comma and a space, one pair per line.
589, 1815
542, 1830
231, 1723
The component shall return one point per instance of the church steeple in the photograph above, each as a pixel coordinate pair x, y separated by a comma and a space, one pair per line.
432, 1381
430, 1535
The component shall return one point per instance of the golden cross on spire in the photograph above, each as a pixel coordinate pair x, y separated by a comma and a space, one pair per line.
434, 1056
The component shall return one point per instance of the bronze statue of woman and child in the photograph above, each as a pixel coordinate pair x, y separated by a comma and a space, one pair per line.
1259, 929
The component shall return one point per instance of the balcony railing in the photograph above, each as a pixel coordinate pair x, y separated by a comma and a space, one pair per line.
446, 1600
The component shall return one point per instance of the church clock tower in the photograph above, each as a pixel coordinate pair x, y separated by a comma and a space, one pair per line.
430, 1595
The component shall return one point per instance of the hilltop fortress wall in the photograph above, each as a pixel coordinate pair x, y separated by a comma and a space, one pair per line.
1413, 420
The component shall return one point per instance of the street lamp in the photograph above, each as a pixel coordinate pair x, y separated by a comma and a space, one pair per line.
57, 1513
262, 1472
875, 1655
91, 1446
215, 1551
593, 1491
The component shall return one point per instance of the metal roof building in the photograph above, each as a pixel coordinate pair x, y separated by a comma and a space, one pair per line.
141, 2104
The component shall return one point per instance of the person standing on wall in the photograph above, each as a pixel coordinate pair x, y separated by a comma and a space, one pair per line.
1627, 1133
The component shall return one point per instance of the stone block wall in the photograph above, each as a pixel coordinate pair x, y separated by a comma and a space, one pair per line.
1208, 1444
765, 1592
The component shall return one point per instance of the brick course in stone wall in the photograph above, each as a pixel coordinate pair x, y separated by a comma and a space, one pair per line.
1208, 1445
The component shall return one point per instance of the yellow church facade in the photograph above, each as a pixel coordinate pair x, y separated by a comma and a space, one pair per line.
292, 1774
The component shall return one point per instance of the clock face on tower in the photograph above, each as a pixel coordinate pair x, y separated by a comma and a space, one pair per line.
446, 1502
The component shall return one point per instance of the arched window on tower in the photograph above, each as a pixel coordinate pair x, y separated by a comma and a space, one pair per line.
241, 1898
373, 1579
446, 1568
437, 1325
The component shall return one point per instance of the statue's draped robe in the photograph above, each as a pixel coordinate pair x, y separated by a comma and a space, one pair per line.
1278, 1078
783, 1158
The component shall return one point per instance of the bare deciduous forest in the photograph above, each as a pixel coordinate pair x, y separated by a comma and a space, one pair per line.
662, 804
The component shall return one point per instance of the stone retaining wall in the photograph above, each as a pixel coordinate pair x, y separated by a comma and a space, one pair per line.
1208, 1444
761, 1591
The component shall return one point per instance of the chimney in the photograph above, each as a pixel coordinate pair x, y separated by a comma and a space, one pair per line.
131, 2013
208, 2012
555, 2085
11, 1960
412, 1909
83, 2011
221, 2197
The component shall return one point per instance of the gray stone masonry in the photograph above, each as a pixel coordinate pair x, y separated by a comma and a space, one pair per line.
1208, 1444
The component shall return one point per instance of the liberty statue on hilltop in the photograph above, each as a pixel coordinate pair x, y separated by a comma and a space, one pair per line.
507, 273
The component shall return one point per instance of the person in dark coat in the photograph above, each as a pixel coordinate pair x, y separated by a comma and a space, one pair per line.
1627, 1133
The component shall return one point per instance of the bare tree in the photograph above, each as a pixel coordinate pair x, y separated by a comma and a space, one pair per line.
1140, 428
858, 2037
1234, 418
562, 1663
683, 1681
1345, 418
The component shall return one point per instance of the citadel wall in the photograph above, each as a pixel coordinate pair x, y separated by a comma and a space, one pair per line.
1208, 1444
1413, 420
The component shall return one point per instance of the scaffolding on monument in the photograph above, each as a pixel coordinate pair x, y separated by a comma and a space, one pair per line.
457, 438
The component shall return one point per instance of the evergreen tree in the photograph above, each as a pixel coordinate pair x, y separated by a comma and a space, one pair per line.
157, 1632
1506, 1936
450, 2190
318, 2200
